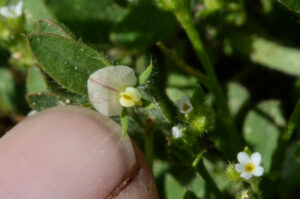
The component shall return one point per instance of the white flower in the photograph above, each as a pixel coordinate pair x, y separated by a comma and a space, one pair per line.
12, 11
176, 132
245, 194
32, 112
249, 166
111, 88
185, 106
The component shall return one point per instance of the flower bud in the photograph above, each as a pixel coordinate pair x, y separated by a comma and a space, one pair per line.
202, 120
231, 173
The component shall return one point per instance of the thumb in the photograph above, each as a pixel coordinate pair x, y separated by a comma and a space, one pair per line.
72, 153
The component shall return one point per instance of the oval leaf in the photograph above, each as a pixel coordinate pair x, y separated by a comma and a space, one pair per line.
68, 62
262, 128
42, 101
48, 26
36, 81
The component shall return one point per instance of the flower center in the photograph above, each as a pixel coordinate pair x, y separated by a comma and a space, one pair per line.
185, 107
130, 97
249, 168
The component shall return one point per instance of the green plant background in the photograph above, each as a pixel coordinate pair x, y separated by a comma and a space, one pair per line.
238, 61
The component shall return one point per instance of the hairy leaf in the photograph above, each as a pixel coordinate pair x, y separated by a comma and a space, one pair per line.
36, 81
48, 26
68, 62
42, 101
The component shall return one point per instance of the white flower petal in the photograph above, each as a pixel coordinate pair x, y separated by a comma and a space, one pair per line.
246, 175
256, 158
31, 113
6, 12
176, 132
258, 171
243, 158
18, 8
12, 11
240, 168
185, 106
105, 85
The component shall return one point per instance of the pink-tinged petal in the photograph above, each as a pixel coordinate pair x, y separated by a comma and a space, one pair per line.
246, 175
243, 158
240, 168
256, 158
105, 85
104, 100
258, 171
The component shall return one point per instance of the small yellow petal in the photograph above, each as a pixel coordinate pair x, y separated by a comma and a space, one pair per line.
130, 97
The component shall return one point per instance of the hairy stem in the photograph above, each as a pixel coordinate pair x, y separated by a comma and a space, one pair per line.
185, 19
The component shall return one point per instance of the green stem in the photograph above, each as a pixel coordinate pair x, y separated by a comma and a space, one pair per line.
255, 188
149, 137
292, 123
165, 104
208, 179
184, 17
182, 65
285, 138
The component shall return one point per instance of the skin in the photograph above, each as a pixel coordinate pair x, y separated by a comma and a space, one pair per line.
69, 152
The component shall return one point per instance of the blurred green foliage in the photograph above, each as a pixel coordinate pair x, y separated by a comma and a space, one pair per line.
48, 53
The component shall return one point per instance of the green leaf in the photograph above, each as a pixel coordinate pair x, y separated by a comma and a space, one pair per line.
293, 5
237, 97
34, 10
36, 82
198, 97
48, 26
124, 121
268, 53
290, 173
145, 75
173, 189
7, 91
68, 62
42, 101
143, 26
262, 128
175, 94
180, 85
180, 80
76, 99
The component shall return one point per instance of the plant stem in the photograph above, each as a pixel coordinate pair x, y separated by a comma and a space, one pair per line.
255, 188
182, 65
149, 137
185, 19
208, 179
165, 104
292, 123
285, 138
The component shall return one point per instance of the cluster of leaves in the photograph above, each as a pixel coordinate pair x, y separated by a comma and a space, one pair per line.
47, 55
